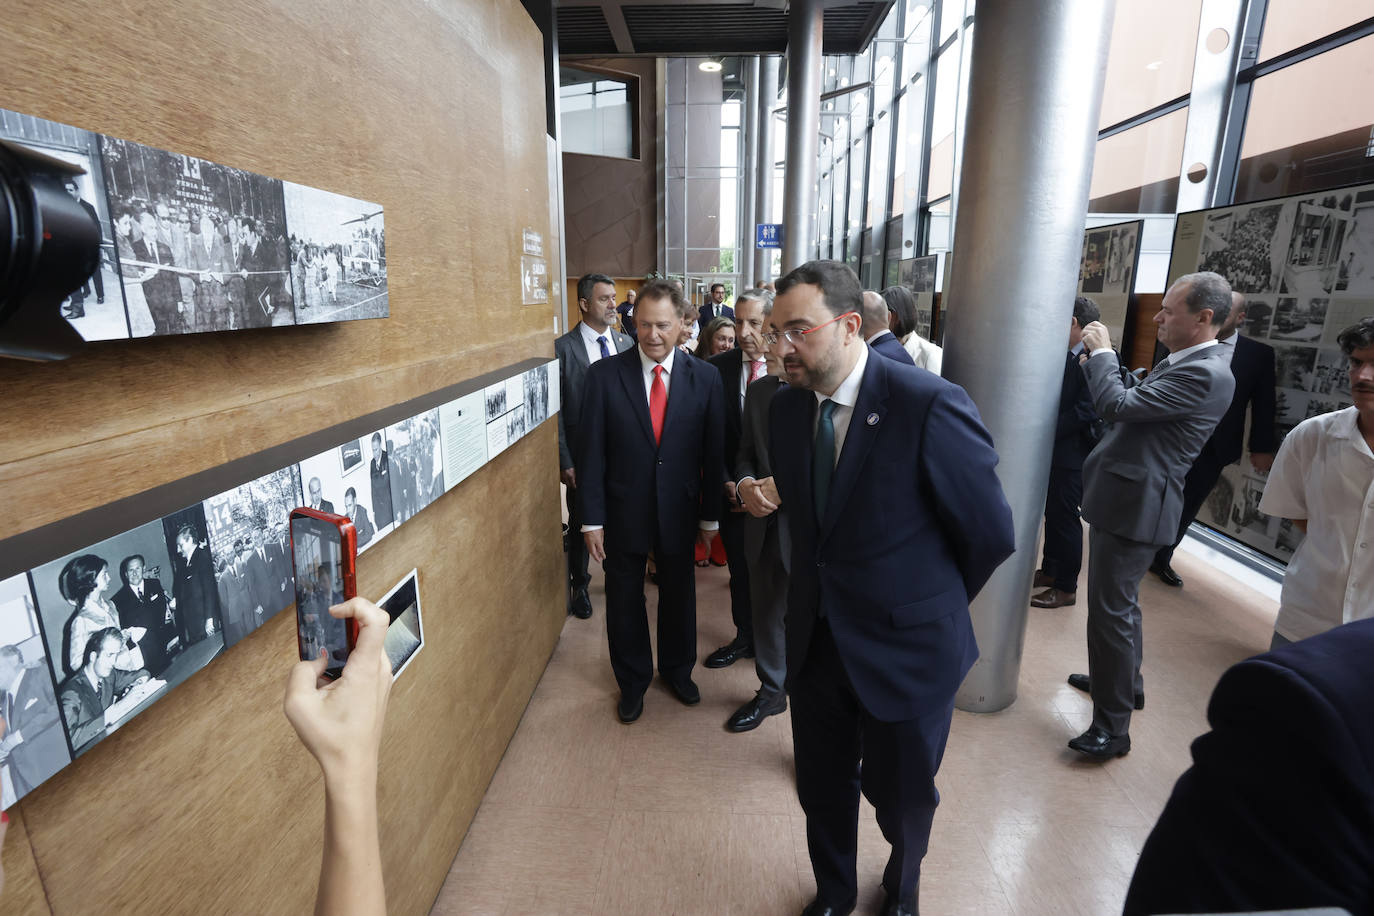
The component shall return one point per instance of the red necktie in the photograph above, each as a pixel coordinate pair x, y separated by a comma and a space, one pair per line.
755, 370
658, 403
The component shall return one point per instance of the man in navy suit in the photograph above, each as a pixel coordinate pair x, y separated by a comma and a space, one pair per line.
650, 478
1252, 366
897, 519
715, 305
877, 332
592, 339
1073, 439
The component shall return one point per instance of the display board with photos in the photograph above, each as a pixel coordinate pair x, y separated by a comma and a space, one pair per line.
1305, 264
93, 637
918, 275
189, 245
1106, 273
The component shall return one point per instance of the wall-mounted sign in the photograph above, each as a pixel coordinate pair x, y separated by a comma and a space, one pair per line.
768, 235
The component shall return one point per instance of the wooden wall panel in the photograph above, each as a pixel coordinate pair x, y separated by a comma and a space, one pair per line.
206, 802
1143, 344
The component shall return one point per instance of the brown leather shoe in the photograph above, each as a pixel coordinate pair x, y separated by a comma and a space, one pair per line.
1053, 597
1042, 580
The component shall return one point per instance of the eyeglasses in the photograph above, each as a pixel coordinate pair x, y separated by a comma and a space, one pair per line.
795, 336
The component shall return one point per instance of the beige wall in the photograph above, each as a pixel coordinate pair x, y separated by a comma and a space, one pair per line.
206, 802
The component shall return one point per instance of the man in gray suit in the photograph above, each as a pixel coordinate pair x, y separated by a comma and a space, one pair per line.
593, 338
767, 544
1133, 486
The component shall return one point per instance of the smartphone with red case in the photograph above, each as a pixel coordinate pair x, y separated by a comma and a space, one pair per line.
324, 549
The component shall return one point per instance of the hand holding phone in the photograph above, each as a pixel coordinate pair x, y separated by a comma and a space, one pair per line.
324, 549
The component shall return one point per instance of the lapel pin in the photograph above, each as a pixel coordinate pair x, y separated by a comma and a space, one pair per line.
873, 419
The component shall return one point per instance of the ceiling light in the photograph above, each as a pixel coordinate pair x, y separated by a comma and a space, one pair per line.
1154, 65
709, 66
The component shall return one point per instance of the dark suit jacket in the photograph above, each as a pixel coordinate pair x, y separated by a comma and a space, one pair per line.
196, 592
1277, 810
915, 524
1072, 436
752, 460
262, 590
572, 370
382, 509
1253, 369
1133, 479
83, 706
327, 506
363, 524
708, 311
149, 611
730, 365
650, 496
888, 345
34, 715
163, 287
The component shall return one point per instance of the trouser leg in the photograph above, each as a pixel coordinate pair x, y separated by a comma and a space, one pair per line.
578, 576
1063, 528
627, 622
827, 742
768, 601
1115, 568
677, 614
900, 760
732, 535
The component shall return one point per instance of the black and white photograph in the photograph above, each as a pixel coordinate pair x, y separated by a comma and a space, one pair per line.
126, 619
32, 743
417, 463
1299, 319
338, 256
1330, 374
405, 636
1318, 406
1355, 269
496, 401
1290, 409
923, 274
247, 529
1240, 245
363, 493
1246, 517
1293, 366
1093, 270
202, 246
1218, 503
96, 310
1259, 315
1288, 538
1319, 230
516, 423
1121, 259
537, 395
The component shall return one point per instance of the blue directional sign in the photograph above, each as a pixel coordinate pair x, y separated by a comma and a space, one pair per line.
769, 235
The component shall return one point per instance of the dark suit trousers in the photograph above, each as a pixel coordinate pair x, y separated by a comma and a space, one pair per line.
1115, 567
768, 601
627, 619
578, 577
831, 732
1063, 556
732, 534
1202, 476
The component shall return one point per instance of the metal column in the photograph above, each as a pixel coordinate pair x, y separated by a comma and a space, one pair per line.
749, 187
763, 194
1035, 92
799, 203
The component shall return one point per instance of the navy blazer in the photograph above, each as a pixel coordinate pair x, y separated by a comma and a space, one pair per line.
650, 496
916, 523
730, 365
1252, 366
888, 345
1072, 436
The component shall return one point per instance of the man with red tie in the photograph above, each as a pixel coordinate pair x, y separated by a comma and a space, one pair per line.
650, 478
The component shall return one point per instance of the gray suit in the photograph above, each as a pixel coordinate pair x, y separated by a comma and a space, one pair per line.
767, 543
1133, 499
572, 373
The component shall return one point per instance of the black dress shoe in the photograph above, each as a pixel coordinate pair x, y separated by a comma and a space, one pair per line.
1099, 745
581, 604
751, 715
729, 653
1166, 574
630, 707
819, 907
686, 691
1083, 683
893, 907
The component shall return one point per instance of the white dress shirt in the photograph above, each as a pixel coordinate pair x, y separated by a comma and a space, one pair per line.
647, 365
1324, 473
589, 338
845, 397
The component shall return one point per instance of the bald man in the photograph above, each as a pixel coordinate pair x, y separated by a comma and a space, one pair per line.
877, 333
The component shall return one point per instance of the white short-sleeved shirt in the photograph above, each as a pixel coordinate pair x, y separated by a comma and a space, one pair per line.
1324, 472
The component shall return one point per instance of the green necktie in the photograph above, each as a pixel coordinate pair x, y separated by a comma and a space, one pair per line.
823, 458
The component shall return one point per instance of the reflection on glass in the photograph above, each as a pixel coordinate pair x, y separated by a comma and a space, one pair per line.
1303, 133
1150, 60
1290, 24
1137, 171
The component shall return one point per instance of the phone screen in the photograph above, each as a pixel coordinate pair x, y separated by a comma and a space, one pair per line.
319, 584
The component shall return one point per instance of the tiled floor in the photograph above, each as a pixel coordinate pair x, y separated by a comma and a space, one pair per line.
674, 815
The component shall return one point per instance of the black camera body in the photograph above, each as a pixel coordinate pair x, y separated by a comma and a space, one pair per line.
49, 247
